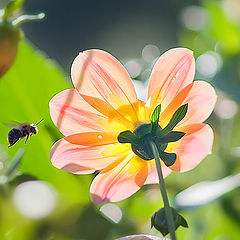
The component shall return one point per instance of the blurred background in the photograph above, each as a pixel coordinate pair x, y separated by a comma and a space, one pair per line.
38, 201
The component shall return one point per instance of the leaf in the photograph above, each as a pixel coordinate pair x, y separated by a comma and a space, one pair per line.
11, 7
168, 158
176, 118
155, 116
172, 136
126, 137
25, 94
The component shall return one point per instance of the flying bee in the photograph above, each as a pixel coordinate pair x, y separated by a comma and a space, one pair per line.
22, 130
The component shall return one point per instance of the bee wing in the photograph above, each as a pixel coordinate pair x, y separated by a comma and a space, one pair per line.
12, 124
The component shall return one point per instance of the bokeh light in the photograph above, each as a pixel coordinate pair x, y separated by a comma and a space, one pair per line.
208, 64
150, 52
34, 199
112, 212
232, 10
226, 108
133, 67
194, 17
205, 192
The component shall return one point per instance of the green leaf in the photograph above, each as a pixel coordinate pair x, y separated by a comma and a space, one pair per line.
172, 136
155, 116
12, 7
25, 94
168, 158
126, 137
176, 118
15, 162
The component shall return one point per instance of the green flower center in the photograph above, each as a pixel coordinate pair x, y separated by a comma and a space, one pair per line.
152, 132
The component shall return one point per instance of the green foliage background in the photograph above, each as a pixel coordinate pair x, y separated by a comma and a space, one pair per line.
25, 92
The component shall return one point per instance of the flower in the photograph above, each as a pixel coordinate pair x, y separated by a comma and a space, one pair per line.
104, 104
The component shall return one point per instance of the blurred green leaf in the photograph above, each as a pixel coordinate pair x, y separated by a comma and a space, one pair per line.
11, 7
25, 93
221, 28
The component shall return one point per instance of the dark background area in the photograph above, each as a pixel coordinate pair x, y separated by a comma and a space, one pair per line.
120, 27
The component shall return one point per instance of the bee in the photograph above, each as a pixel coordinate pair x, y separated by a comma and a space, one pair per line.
22, 130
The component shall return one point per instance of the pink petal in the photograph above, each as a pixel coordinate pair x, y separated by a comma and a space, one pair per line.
177, 101
119, 182
72, 114
201, 101
172, 72
79, 159
193, 147
153, 174
97, 74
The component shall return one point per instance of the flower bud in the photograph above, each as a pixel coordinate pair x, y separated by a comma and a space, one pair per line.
159, 221
9, 38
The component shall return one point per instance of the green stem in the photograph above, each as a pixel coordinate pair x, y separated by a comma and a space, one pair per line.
168, 212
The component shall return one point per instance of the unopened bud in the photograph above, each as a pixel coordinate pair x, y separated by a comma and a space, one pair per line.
9, 38
159, 221
10, 33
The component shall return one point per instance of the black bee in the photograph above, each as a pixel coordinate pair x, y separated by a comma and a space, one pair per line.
22, 130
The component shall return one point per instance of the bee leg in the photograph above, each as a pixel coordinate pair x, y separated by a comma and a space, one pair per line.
26, 138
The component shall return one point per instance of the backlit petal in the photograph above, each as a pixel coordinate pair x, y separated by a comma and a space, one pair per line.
174, 105
92, 138
173, 71
72, 114
201, 101
79, 159
193, 147
120, 181
97, 74
153, 174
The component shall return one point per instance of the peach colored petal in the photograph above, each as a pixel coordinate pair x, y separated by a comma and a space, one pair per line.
201, 101
121, 181
153, 174
123, 114
97, 74
92, 138
174, 105
193, 147
79, 159
173, 71
72, 114
201, 98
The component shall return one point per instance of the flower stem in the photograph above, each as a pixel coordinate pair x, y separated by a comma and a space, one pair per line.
168, 211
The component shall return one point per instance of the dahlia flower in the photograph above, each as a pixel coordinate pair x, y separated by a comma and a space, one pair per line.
104, 104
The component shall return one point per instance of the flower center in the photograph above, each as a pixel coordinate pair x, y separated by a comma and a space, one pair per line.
141, 137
